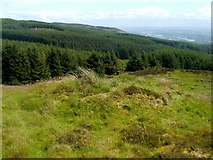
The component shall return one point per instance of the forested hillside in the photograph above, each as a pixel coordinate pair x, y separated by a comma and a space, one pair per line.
37, 50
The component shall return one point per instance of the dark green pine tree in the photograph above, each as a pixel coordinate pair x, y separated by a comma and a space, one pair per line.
16, 65
110, 63
44, 68
96, 63
144, 59
9, 65
39, 68
152, 60
181, 60
24, 67
135, 63
54, 62
69, 62
34, 63
168, 60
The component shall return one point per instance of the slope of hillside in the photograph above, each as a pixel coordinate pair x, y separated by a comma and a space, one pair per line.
143, 114
85, 37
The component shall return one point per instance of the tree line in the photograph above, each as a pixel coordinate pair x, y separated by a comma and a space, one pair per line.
170, 58
25, 62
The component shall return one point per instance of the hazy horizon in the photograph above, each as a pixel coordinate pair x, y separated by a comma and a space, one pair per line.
198, 34
134, 13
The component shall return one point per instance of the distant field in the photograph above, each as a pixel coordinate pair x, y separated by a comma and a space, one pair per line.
163, 114
198, 35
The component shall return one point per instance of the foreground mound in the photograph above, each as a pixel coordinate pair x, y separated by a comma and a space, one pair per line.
164, 115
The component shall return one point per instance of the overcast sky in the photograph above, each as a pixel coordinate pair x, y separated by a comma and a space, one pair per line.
118, 13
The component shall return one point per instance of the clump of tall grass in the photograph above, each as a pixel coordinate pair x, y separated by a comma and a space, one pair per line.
88, 76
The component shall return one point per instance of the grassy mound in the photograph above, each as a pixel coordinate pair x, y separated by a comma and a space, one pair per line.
165, 115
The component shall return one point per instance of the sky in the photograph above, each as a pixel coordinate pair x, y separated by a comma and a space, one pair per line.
114, 13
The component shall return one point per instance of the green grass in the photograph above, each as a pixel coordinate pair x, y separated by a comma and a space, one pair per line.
125, 116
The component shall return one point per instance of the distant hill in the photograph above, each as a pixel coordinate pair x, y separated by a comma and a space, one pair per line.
87, 37
31, 24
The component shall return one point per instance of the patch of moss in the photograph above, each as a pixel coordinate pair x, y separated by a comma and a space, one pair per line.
76, 138
140, 134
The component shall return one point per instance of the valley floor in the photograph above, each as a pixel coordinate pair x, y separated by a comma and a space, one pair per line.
131, 115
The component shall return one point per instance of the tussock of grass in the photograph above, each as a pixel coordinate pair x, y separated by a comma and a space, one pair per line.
63, 89
152, 71
88, 76
77, 138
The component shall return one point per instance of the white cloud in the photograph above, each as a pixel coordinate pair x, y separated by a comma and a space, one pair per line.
200, 13
204, 12
51, 15
151, 12
132, 16
82, 1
